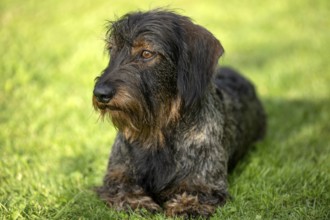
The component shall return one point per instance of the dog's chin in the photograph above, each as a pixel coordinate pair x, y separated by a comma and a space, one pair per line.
109, 109
104, 107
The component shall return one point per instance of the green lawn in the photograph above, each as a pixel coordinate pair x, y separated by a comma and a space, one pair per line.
54, 148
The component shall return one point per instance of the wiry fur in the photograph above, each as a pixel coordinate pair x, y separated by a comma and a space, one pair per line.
181, 121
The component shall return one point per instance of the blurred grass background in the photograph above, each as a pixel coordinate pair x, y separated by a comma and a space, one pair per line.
53, 148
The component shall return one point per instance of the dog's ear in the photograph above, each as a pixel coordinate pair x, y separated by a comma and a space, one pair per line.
199, 55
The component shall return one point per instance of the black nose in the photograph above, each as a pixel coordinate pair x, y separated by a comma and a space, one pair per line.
104, 93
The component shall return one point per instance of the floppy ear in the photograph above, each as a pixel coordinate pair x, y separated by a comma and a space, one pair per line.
198, 59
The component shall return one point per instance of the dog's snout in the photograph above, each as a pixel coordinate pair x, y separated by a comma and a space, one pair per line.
104, 93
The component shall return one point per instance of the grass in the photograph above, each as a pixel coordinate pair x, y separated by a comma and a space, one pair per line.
53, 149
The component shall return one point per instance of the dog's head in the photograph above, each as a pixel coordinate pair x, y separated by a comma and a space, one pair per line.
160, 66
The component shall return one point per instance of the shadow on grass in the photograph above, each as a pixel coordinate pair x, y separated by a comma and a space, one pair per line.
296, 129
287, 173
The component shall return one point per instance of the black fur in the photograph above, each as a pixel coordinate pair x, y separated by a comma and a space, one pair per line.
182, 122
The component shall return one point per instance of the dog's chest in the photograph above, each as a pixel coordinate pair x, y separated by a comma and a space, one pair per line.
153, 169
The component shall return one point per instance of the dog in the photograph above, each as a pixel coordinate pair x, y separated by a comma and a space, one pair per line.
182, 121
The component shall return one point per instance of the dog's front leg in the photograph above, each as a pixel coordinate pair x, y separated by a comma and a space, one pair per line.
120, 189
121, 193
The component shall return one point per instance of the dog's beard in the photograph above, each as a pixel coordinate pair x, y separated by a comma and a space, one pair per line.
126, 109
138, 121
130, 114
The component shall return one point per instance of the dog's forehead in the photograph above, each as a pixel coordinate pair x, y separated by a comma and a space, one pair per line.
150, 27
142, 40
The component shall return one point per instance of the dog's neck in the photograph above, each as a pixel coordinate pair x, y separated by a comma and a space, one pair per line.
172, 119
152, 134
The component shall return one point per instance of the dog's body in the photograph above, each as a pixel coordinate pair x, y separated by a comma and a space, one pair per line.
182, 122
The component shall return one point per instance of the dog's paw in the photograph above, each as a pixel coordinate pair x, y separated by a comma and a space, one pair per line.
143, 202
131, 202
187, 206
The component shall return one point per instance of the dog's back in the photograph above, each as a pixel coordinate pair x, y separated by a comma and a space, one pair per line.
243, 107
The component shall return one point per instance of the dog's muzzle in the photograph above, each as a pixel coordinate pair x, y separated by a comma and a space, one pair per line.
104, 93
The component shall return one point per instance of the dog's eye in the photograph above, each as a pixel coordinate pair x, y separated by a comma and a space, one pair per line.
146, 54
